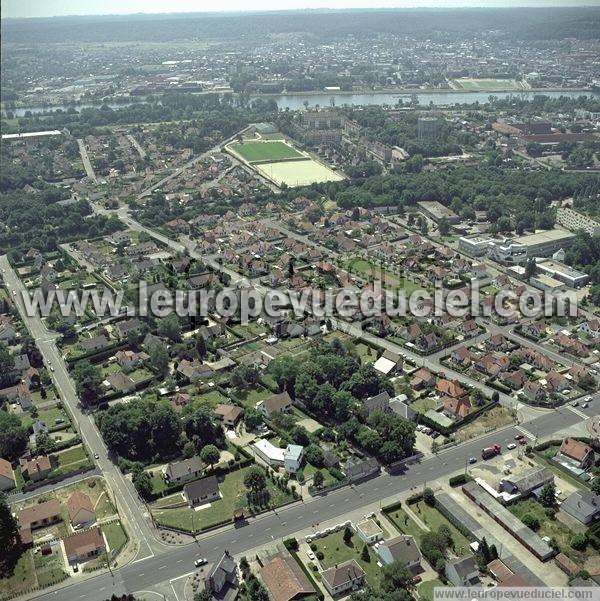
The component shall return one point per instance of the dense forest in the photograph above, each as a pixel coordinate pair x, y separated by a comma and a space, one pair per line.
527, 24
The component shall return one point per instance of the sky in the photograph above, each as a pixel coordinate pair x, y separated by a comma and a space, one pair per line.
54, 8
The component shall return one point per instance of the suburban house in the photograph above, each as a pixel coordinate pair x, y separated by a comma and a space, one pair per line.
36, 469
379, 402
222, 575
403, 549
591, 328
463, 571
345, 577
583, 505
577, 453
229, 415
83, 546
527, 483
368, 531
37, 516
129, 359
276, 403
94, 344
457, 408
285, 580
389, 364
422, 378
202, 491
357, 469
186, 469
7, 476
120, 382
127, 326
194, 370
81, 510
292, 458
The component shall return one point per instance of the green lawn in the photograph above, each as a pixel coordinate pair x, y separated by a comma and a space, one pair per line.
425, 589
249, 398
336, 551
553, 529
265, 151
233, 496
115, 537
22, 578
72, 455
49, 417
433, 519
405, 523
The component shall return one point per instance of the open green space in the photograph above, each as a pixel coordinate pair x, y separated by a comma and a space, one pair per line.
433, 519
404, 523
553, 529
425, 589
22, 578
265, 151
298, 173
336, 551
115, 537
233, 496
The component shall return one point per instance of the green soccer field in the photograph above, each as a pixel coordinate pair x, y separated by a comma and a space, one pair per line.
265, 151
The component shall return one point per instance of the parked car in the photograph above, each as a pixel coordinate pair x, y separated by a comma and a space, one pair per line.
200, 562
472, 459
511, 446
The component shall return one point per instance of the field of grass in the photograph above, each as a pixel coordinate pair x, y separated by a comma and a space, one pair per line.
557, 530
265, 151
298, 173
489, 421
115, 537
336, 551
233, 496
22, 578
433, 519
473, 85
405, 523
425, 589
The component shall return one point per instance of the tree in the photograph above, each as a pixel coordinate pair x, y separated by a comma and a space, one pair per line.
348, 534
44, 444
579, 542
548, 495
429, 497
253, 418
255, 479
13, 436
300, 436
365, 554
396, 576
210, 455
9, 537
88, 381
142, 482
444, 227
318, 479
169, 327
531, 521
7, 366
596, 485
314, 455
530, 268
159, 360
203, 596
200, 346
201, 430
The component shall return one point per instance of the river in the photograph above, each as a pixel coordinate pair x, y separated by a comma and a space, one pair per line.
296, 101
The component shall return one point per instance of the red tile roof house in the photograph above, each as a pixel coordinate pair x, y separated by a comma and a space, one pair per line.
456, 407
83, 546
579, 452
36, 469
7, 476
37, 516
347, 576
81, 510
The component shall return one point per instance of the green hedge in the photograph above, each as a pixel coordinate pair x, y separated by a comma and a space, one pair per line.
460, 479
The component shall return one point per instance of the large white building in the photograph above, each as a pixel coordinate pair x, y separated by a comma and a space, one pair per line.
507, 251
574, 221
289, 458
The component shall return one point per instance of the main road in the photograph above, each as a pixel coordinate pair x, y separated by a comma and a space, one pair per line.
143, 575
127, 501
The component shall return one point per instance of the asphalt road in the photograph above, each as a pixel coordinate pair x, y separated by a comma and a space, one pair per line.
124, 495
147, 573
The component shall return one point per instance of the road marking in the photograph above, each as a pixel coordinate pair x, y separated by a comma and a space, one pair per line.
162, 567
524, 431
578, 412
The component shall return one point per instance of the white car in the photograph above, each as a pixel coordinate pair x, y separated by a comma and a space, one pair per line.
511, 446
310, 555
200, 562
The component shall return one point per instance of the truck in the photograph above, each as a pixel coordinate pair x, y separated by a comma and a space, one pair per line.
490, 452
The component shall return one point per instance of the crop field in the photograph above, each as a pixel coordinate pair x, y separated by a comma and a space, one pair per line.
473, 85
298, 173
265, 151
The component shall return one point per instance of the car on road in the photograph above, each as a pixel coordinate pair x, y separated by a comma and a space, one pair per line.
96, 456
523, 441
511, 446
51, 368
200, 562
310, 555
14, 293
574, 403
588, 399
584, 406
472, 459
518, 436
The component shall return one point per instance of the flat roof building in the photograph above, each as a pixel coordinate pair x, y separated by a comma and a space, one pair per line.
437, 211
564, 273
546, 242
574, 221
